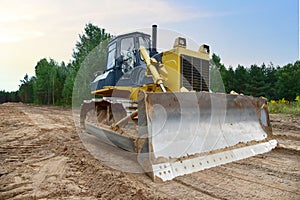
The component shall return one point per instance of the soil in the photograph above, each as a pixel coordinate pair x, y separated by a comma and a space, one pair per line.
42, 157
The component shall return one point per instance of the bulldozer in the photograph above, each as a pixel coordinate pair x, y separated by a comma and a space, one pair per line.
160, 106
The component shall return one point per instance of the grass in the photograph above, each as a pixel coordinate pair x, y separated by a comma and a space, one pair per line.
285, 107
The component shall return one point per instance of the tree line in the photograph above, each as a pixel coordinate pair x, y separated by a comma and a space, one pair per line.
53, 82
268, 81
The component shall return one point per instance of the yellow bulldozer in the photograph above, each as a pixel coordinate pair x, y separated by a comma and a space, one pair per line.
159, 105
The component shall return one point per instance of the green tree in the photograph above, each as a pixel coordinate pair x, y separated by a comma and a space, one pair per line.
50, 78
89, 56
270, 80
53, 83
43, 82
59, 74
256, 86
217, 74
68, 85
288, 81
26, 89
9, 96
229, 80
241, 78
91, 38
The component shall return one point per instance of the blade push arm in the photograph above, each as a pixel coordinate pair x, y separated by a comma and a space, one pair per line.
149, 62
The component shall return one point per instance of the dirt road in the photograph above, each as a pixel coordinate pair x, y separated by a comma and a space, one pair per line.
42, 156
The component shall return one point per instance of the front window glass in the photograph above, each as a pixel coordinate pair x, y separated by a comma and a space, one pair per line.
145, 42
127, 53
111, 56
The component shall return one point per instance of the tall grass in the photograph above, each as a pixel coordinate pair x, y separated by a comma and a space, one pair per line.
284, 106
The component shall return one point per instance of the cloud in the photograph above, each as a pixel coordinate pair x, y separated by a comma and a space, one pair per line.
155, 10
122, 16
6, 18
21, 21
34, 29
33, 18
12, 36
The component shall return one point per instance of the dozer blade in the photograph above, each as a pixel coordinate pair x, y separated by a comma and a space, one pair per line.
182, 133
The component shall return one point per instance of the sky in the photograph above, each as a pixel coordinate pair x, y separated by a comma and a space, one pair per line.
241, 32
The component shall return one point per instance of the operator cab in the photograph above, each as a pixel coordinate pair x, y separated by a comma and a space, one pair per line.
124, 65
124, 50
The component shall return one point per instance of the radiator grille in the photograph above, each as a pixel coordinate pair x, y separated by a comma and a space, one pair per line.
195, 73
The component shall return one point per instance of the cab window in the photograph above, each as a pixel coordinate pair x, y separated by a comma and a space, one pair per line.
111, 56
127, 53
145, 42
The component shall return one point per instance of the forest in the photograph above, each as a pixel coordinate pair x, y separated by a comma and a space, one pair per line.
53, 82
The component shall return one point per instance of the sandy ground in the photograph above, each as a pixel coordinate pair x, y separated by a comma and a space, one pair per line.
42, 157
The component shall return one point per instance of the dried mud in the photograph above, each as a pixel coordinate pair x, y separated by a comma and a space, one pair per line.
42, 157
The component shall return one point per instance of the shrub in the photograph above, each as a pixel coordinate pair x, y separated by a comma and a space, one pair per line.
284, 106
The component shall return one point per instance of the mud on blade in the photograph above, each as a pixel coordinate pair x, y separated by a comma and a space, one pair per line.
188, 132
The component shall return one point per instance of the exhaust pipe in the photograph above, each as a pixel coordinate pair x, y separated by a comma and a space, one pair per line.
154, 39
